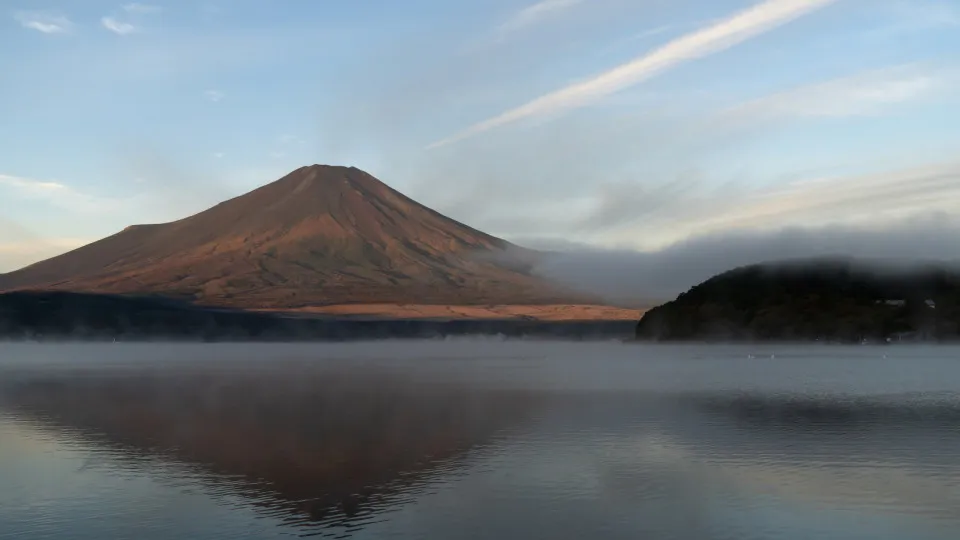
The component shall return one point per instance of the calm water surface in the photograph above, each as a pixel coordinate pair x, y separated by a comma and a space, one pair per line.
479, 439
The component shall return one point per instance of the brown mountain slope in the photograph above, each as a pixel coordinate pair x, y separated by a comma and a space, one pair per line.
320, 235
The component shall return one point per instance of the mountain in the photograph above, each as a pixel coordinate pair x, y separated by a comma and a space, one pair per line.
838, 300
320, 235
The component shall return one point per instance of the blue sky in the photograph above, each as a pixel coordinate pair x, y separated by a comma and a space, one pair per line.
633, 124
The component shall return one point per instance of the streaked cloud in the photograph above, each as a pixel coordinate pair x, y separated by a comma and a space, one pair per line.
866, 200
32, 187
862, 94
129, 18
47, 22
720, 36
54, 193
534, 14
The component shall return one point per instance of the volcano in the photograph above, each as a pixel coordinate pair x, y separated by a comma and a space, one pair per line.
321, 235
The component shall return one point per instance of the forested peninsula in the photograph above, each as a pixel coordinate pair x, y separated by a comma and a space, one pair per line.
826, 300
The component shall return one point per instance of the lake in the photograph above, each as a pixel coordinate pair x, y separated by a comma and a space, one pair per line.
479, 439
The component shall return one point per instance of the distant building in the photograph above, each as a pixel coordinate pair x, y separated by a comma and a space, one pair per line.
903, 336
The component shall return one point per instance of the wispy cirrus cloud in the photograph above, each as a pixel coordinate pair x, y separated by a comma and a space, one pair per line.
31, 187
534, 14
54, 193
657, 169
868, 93
868, 199
128, 19
47, 22
718, 37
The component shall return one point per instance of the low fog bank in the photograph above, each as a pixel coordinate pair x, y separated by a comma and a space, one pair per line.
526, 365
656, 277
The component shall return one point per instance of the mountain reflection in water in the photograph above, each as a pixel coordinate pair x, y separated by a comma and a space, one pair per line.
483, 440
321, 444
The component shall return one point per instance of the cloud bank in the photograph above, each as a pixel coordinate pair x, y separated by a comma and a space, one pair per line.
650, 278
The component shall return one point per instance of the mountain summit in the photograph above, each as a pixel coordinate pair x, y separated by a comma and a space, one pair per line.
319, 235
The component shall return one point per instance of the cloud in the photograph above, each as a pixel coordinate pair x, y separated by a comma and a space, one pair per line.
645, 213
141, 8
124, 23
864, 200
861, 94
47, 22
213, 95
534, 14
32, 187
867, 198
54, 193
117, 27
659, 276
645, 176
870, 93
720, 36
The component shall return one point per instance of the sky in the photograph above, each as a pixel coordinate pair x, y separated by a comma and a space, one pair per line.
629, 128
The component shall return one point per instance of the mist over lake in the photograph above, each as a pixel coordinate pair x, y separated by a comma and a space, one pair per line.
477, 438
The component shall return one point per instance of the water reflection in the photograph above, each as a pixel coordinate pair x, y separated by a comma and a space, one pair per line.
898, 452
309, 444
679, 444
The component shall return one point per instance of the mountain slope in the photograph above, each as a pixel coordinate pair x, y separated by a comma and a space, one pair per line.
320, 235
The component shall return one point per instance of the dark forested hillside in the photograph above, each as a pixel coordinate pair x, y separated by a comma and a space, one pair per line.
824, 299
65, 316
